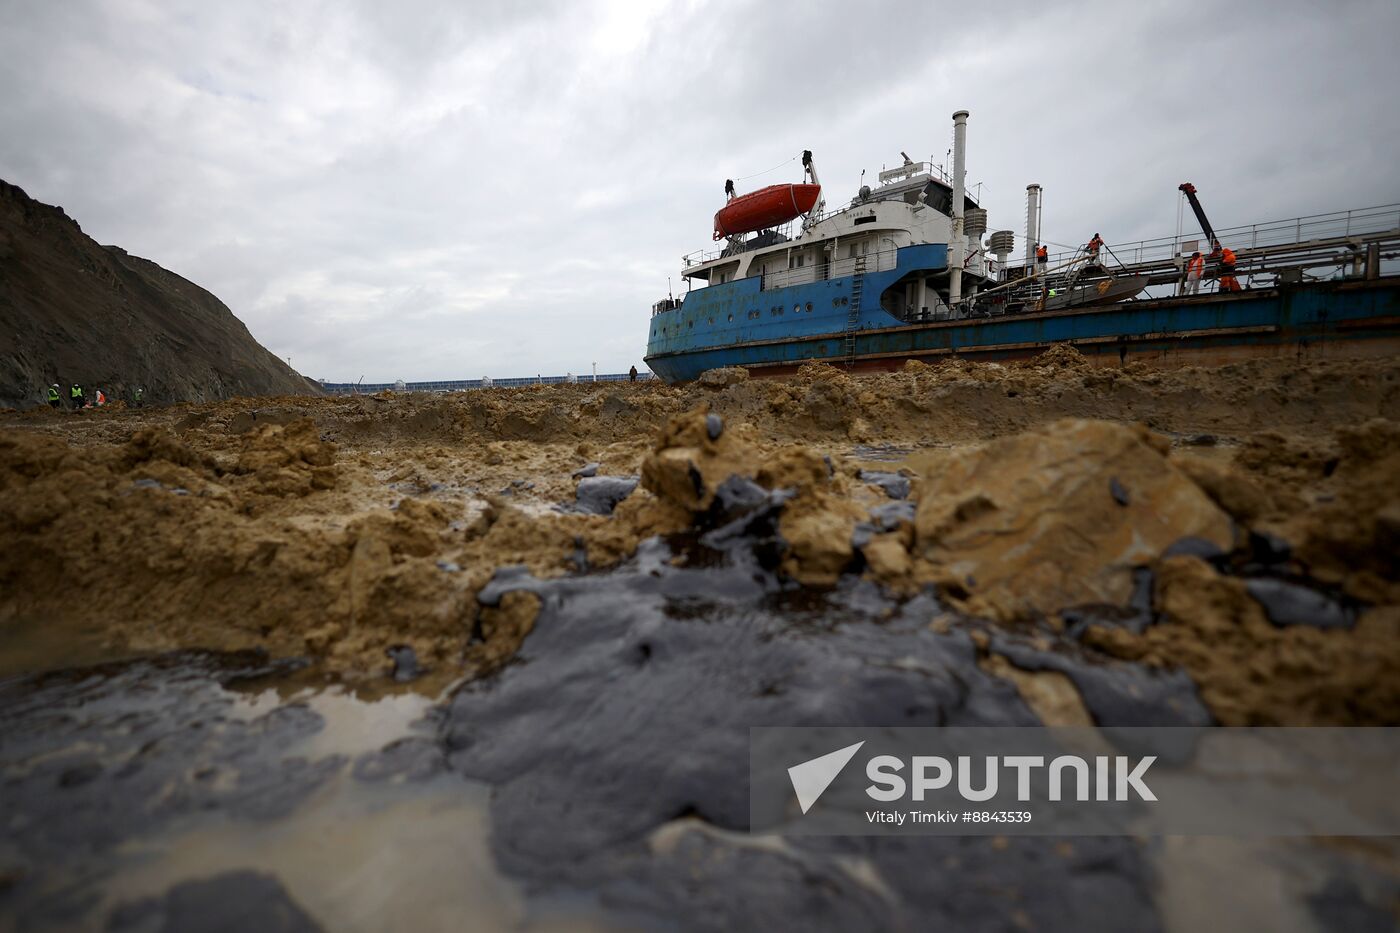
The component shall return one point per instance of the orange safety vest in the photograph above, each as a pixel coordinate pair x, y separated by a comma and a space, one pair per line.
1227, 257
1196, 264
1042, 254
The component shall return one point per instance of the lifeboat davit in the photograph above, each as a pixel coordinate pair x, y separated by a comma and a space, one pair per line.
766, 207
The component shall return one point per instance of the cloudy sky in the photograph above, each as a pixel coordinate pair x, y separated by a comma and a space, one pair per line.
427, 189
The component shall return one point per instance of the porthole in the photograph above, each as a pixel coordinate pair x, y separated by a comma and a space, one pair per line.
809, 306
796, 309
731, 318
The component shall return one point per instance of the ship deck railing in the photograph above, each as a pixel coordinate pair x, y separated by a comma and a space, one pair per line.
1359, 222
702, 256
1325, 246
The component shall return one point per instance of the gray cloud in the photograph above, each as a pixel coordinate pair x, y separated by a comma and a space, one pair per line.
437, 189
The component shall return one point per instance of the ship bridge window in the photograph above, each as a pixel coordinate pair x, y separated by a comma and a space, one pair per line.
939, 198
864, 220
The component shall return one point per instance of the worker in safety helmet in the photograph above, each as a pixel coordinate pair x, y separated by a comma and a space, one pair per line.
1195, 267
75, 396
1094, 246
54, 401
1042, 257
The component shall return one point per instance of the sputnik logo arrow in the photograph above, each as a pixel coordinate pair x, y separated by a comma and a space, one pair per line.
811, 778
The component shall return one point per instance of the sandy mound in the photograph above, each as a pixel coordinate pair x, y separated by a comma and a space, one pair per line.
1058, 516
351, 529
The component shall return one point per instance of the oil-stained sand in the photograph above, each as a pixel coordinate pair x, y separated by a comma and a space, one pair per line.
972, 543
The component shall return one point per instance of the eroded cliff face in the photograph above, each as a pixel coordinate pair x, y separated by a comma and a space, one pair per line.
74, 311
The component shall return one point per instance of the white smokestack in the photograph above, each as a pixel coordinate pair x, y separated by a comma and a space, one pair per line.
1032, 223
958, 247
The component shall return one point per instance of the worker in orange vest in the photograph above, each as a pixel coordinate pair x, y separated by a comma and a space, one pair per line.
1195, 266
1042, 256
1094, 245
1228, 282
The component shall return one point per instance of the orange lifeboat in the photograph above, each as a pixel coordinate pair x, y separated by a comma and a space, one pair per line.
766, 207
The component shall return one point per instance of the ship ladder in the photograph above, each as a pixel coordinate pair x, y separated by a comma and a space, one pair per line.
853, 319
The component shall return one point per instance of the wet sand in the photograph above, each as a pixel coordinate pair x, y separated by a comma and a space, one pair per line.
501, 579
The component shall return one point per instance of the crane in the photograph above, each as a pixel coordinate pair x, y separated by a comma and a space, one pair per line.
1190, 191
809, 171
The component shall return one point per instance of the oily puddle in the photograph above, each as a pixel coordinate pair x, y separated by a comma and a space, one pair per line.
127, 783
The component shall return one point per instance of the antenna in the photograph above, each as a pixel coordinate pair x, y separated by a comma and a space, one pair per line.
668, 289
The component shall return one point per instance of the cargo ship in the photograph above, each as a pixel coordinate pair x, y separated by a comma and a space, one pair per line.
909, 270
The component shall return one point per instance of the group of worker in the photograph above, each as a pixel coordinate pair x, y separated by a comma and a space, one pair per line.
1221, 259
1091, 249
77, 398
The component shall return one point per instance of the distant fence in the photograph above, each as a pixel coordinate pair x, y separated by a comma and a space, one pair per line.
462, 385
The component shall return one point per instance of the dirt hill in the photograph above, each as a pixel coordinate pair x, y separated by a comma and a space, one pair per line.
72, 310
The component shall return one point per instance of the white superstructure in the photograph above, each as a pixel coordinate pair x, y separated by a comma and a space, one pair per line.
914, 204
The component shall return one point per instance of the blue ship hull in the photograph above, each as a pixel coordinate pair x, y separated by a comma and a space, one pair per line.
775, 331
